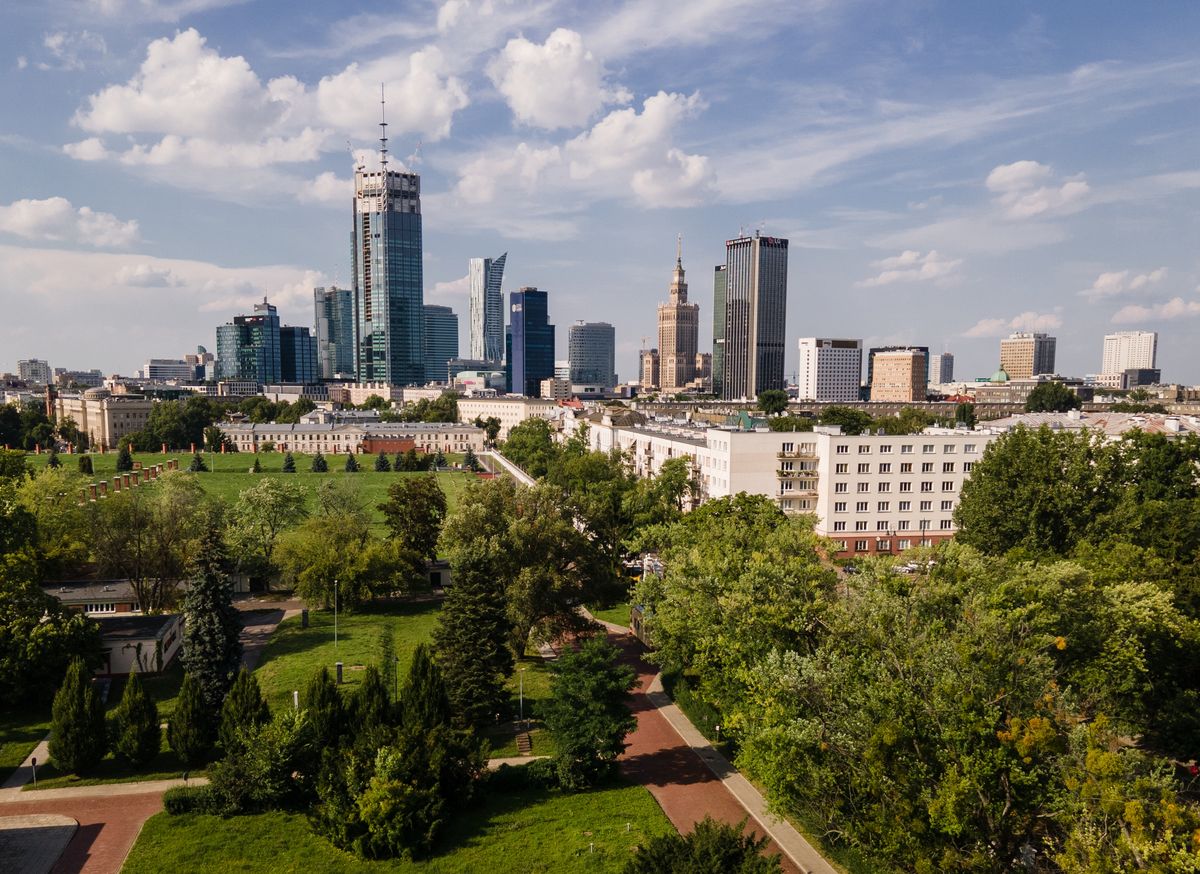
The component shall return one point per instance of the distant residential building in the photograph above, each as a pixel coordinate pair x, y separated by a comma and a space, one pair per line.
562, 368
486, 276
138, 644
591, 347
389, 294
1127, 350
510, 411
555, 389
441, 341
334, 320
102, 416
248, 347
456, 366
941, 368
357, 393
1140, 377
64, 378
899, 377
35, 371
528, 342
678, 333
1017, 391
648, 370
755, 314
298, 356
1025, 354
168, 368
830, 369
875, 350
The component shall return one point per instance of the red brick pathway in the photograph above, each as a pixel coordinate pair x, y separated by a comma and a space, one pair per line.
107, 828
658, 758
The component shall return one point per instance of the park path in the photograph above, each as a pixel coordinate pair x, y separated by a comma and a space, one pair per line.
687, 777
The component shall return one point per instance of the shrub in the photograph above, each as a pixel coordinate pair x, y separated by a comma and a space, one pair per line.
269, 766
351, 463
244, 708
77, 732
197, 465
190, 731
710, 846
85, 465
382, 465
257, 468
191, 799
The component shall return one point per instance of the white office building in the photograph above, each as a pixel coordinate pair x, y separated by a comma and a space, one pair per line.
830, 370
1128, 350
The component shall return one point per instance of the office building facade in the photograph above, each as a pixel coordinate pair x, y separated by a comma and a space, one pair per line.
298, 356
719, 315
486, 276
168, 368
441, 341
528, 342
334, 321
1024, 355
875, 350
678, 333
755, 314
389, 295
35, 371
941, 368
899, 376
591, 354
1127, 350
248, 347
830, 369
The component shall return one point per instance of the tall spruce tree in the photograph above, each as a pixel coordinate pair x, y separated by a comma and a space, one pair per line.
424, 700
382, 465
124, 458
212, 651
319, 464
326, 713
137, 735
369, 706
197, 464
77, 731
193, 725
52, 461
289, 463
244, 708
351, 463
257, 468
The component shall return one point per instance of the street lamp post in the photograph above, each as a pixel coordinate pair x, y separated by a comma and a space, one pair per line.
335, 614
396, 678
521, 696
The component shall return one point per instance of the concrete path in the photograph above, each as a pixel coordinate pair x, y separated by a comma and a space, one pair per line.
261, 624
493, 764
99, 790
511, 469
24, 773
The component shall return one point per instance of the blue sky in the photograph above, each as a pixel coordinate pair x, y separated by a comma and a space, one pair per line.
946, 172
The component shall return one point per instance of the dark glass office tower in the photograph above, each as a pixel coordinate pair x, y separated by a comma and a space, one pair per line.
528, 342
334, 320
248, 347
719, 316
755, 313
298, 356
389, 312
441, 341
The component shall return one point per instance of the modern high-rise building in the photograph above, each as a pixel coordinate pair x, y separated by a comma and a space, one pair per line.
334, 320
441, 341
389, 295
168, 368
248, 347
487, 308
591, 351
298, 356
899, 376
875, 350
1024, 355
1127, 350
36, 371
830, 370
755, 313
528, 342
678, 332
941, 368
719, 314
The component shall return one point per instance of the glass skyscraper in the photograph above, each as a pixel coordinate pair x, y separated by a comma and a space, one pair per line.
718, 353
528, 343
441, 341
334, 320
389, 316
298, 356
591, 353
487, 308
248, 347
755, 313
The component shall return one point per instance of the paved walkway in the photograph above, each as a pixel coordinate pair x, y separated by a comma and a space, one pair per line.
261, 623
690, 779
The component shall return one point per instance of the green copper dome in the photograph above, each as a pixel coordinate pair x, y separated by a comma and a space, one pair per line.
1000, 376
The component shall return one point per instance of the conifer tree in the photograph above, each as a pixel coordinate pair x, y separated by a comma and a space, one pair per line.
398, 464
85, 465
382, 465
137, 735
323, 705
369, 706
192, 726
124, 458
439, 460
289, 463
471, 461
471, 642
77, 735
424, 698
257, 466
319, 464
52, 461
212, 651
197, 465
351, 463
244, 708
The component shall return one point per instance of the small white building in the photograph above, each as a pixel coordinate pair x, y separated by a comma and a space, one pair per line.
141, 644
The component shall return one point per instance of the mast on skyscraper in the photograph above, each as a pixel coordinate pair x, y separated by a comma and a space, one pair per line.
383, 137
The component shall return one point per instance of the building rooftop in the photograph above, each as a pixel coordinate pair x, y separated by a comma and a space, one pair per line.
1110, 424
134, 627
91, 590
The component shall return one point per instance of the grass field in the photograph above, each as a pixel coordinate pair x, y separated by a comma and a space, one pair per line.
617, 614
20, 731
527, 832
229, 474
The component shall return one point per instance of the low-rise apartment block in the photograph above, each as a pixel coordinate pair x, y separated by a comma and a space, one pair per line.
510, 411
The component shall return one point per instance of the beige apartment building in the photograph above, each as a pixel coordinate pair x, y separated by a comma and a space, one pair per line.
509, 411
899, 377
1024, 355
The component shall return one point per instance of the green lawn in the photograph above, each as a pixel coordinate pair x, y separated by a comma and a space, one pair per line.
165, 766
518, 833
294, 654
20, 731
503, 738
617, 614
229, 474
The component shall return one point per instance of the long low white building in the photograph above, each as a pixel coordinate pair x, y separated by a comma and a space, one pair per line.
509, 411
356, 437
870, 493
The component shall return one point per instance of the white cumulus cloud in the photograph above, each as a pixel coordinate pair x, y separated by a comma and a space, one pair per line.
1175, 308
1026, 321
55, 219
553, 85
1118, 282
1026, 189
911, 266
146, 276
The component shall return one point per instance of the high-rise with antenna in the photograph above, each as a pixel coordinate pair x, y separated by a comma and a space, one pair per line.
389, 299
678, 331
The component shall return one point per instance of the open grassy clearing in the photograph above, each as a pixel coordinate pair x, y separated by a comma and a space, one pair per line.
526, 832
617, 614
21, 729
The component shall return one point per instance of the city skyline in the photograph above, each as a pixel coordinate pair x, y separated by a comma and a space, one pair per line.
949, 175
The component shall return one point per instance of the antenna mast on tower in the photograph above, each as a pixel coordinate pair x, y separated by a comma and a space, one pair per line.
383, 137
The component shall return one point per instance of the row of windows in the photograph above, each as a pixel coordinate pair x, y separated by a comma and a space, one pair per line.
884, 545
901, 525
905, 467
885, 506
926, 486
907, 448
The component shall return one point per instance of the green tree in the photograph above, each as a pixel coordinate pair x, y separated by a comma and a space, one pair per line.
491, 428
124, 458
270, 766
351, 463
530, 446
790, 423
319, 464
244, 708
289, 464
77, 732
257, 466
1052, 397
588, 712
710, 848
324, 710
137, 735
52, 461
85, 465
339, 546
773, 401
262, 513
471, 461
382, 465
214, 439
414, 512
909, 420
849, 419
51, 496
197, 464
387, 659
964, 413
424, 700
212, 650
369, 706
